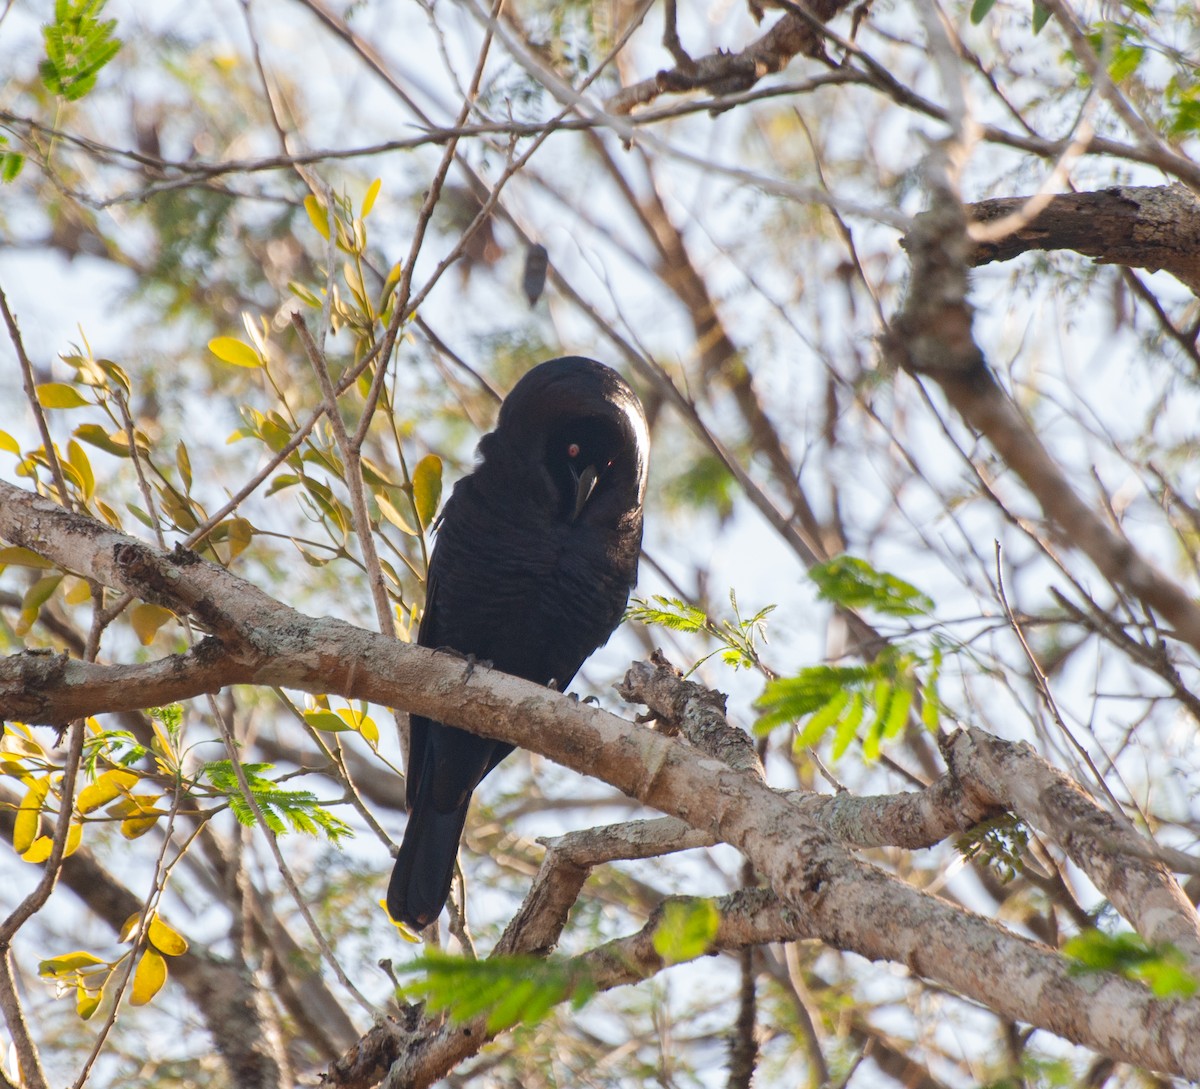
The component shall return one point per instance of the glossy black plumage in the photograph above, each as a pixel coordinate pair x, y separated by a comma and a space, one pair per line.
536, 553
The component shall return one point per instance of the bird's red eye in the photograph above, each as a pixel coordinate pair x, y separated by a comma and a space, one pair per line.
573, 450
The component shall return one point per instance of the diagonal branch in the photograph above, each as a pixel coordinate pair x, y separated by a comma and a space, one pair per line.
723, 73
932, 337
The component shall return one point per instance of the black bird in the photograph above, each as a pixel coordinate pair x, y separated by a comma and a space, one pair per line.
536, 553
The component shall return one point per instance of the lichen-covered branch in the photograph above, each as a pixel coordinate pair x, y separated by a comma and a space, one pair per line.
833, 895
1150, 227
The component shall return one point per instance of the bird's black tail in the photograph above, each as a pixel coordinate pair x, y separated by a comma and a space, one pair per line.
425, 863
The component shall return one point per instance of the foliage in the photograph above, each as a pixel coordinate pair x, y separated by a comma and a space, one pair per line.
998, 843
78, 45
206, 240
506, 990
852, 583
838, 699
1163, 968
687, 929
738, 638
91, 977
281, 809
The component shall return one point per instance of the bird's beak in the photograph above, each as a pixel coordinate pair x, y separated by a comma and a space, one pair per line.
585, 484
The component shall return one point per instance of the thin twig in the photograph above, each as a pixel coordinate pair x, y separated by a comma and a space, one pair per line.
14, 334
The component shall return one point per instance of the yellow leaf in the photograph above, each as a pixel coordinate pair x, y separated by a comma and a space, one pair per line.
109, 515
133, 827
108, 786
184, 464
25, 827
137, 814
68, 962
78, 592
18, 739
81, 465
87, 1002
166, 939
24, 557
237, 352
241, 532
318, 214
427, 487
35, 597
60, 395
354, 281
128, 927
42, 846
369, 731
369, 200
148, 977
7, 442
393, 515
147, 619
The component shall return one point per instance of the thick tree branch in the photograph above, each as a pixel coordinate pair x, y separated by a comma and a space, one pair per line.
1150, 227
833, 896
1108, 850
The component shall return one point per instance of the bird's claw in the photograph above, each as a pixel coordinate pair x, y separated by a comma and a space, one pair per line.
472, 662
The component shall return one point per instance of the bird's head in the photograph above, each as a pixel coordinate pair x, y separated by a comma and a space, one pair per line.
582, 430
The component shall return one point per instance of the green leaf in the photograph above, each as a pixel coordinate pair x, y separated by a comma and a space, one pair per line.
669, 613
388, 509
35, 597
999, 843
897, 711
427, 488
326, 720
853, 583
847, 728
687, 929
78, 45
787, 699
1161, 967
11, 165
282, 809
95, 435
823, 718
1124, 61
508, 990
1041, 16
979, 10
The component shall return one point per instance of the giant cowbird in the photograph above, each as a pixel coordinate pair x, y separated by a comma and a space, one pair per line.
536, 552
